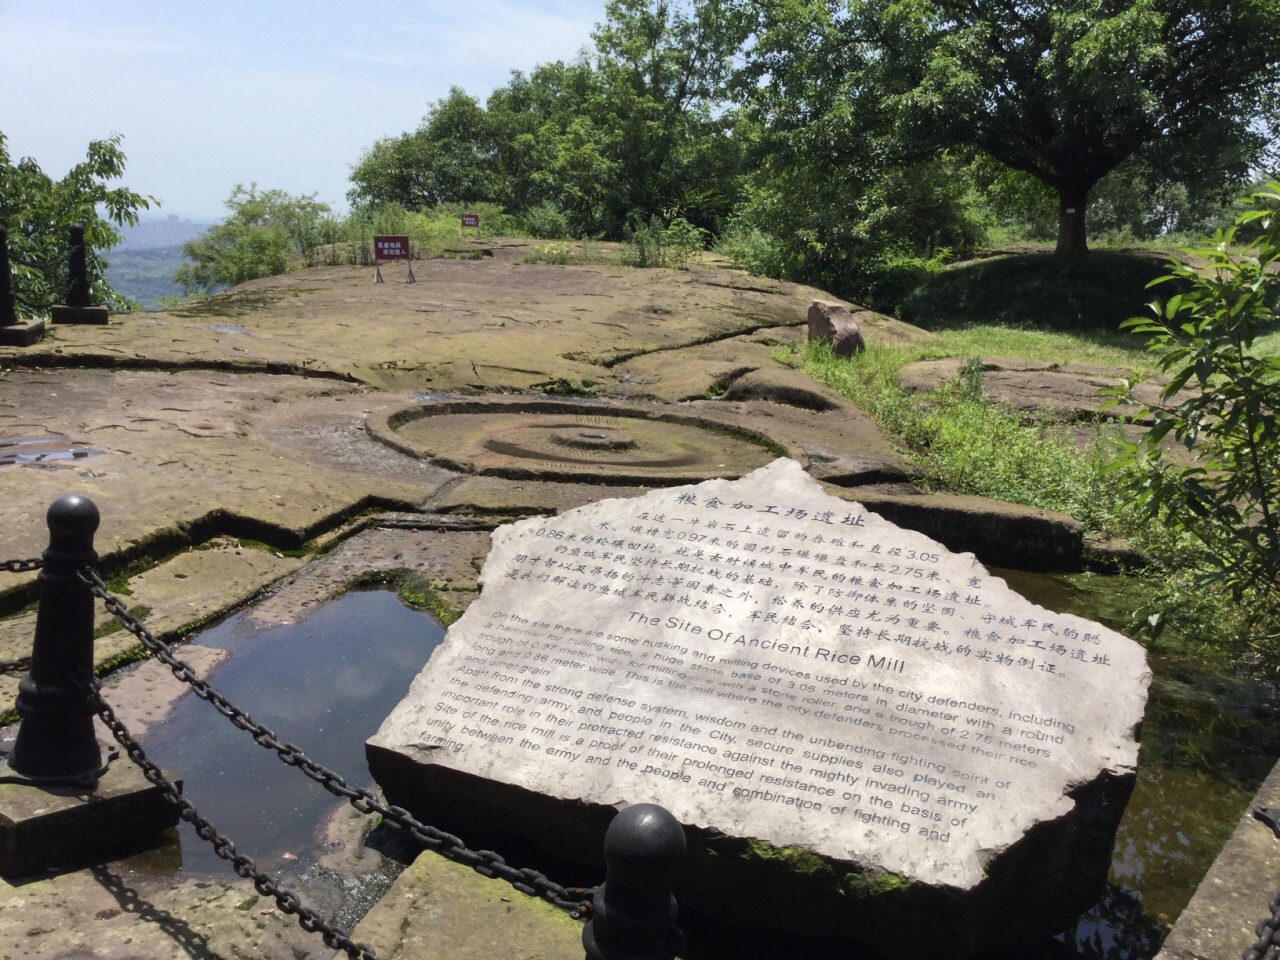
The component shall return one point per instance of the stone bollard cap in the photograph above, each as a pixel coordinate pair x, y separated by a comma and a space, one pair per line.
73, 519
644, 840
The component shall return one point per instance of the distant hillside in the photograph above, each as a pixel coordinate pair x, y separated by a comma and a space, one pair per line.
172, 231
144, 274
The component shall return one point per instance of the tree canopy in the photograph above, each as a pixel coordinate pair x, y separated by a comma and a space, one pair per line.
39, 211
627, 131
449, 158
261, 233
839, 139
1064, 91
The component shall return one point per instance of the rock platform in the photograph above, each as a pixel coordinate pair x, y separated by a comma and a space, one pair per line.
225, 444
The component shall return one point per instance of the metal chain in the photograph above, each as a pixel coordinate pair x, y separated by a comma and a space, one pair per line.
21, 566
21, 665
1268, 932
575, 900
289, 902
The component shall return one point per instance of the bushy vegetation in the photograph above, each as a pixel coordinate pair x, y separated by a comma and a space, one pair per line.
653, 244
1228, 502
1210, 529
630, 130
966, 443
261, 233
272, 232
854, 145
38, 212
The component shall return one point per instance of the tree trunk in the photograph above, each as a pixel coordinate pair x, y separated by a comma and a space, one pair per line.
1071, 235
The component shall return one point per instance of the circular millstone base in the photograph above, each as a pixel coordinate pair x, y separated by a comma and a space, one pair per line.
596, 443
594, 440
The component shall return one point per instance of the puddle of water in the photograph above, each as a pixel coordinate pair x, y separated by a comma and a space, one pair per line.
1209, 740
42, 449
227, 328
325, 684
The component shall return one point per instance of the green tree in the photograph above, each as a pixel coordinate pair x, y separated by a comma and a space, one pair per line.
1229, 500
259, 238
448, 159
1062, 90
665, 70
845, 203
1138, 199
552, 146
633, 129
38, 212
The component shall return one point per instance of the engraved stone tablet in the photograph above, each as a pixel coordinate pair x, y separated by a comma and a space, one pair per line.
800, 682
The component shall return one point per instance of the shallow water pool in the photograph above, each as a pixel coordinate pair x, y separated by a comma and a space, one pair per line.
325, 684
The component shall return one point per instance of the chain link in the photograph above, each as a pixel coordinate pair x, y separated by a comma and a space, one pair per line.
1268, 933
575, 900
289, 902
21, 566
21, 665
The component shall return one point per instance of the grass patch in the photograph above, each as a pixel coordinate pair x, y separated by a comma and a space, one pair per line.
567, 252
1267, 345
415, 591
1037, 290
563, 387
1049, 346
248, 544
964, 443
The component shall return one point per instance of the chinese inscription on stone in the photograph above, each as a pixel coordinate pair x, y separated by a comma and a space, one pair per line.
773, 662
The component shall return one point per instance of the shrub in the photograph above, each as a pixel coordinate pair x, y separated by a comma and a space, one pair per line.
1229, 500
545, 221
651, 244
750, 248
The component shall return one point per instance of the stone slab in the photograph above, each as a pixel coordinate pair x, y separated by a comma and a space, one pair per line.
53, 826
187, 589
499, 497
446, 562
842, 446
61, 313
491, 325
193, 453
998, 533
782, 384
783, 667
697, 372
438, 908
1218, 923
23, 334
1068, 392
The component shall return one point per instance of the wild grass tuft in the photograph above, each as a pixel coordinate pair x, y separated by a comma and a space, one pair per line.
965, 443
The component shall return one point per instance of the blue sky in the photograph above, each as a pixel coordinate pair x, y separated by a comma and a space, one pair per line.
288, 94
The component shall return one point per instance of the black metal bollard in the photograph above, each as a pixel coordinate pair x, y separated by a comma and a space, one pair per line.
56, 739
8, 299
78, 293
634, 915
78, 307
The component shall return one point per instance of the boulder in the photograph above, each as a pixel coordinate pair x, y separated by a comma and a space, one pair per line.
832, 323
